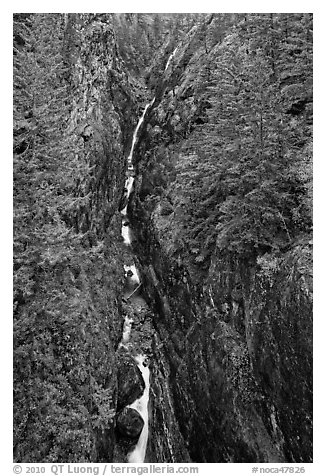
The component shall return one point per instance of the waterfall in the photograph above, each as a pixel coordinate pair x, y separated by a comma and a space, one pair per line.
170, 58
133, 270
128, 187
126, 331
132, 278
133, 282
125, 232
139, 452
134, 138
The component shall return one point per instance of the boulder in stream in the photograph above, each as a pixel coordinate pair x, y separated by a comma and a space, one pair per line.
130, 423
131, 384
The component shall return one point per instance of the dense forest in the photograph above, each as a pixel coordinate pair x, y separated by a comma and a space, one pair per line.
220, 212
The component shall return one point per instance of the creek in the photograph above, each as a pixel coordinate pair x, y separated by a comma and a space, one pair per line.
133, 295
132, 286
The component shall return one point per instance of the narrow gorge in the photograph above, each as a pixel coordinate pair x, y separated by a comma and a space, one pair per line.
163, 238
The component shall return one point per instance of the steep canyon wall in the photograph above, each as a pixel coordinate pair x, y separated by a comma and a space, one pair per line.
238, 347
229, 338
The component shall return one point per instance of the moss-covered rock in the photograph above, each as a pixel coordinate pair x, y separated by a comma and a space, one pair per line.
130, 423
130, 381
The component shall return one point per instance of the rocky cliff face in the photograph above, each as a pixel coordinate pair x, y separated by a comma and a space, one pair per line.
237, 348
229, 343
67, 329
166, 442
236, 336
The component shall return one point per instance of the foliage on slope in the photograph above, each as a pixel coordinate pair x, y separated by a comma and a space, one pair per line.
68, 179
234, 137
230, 150
226, 192
143, 38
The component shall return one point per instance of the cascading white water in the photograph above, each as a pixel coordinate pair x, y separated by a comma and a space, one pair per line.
125, 232
141, 405
128, 186
134, 138
130, 180
126, 331
133, 282
129, 183
170, 58
139, 452
135, 275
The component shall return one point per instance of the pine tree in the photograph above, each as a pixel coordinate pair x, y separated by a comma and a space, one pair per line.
53, 418
248, 147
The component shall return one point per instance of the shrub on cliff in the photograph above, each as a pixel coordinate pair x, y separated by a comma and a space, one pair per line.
244, 169
65, 300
